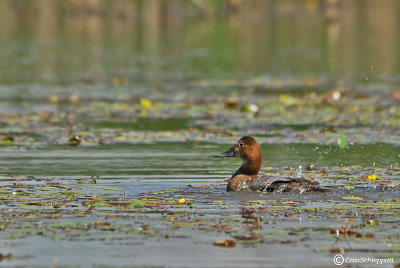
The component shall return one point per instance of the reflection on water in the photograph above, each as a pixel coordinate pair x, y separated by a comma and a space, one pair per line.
156, 45
182, 160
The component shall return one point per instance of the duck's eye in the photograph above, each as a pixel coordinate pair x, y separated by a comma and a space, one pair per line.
241, 144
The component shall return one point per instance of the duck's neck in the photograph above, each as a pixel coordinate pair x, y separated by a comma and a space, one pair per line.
249, 167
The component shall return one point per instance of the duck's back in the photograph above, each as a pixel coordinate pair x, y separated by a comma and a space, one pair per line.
271, 183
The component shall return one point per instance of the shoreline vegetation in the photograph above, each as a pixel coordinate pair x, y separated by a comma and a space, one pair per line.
343, 29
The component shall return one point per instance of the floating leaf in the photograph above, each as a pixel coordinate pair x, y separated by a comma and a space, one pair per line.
119, 203
70, 195
75, 98
369, 235
6, 256
118, 81
373, 222
352, 198
54, 98
75, 140
250, 108
202, 186
287, 100
337, 250
229, 243
7, 140
343, 141
100, 204
146, 103
101, 223
138, 203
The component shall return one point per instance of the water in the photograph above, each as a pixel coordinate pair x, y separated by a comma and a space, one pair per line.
313, 71
183, 160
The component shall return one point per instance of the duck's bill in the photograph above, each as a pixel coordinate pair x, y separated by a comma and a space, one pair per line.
229, 153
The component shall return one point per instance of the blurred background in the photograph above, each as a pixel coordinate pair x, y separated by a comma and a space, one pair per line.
153, 46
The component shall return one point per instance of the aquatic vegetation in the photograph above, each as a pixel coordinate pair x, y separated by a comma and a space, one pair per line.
344, 219
319, 117
359, 214
372, 177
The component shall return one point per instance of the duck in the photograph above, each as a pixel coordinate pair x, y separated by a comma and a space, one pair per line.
246, 178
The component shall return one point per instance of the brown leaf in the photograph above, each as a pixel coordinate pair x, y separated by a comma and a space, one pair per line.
324, 172
396, 95
369, 235
228, 243
337, 250
101, 223
202, 186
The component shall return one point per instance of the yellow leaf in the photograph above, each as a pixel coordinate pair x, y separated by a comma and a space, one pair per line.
146, 103
312, 5
372, 177
118, 81
285, 97
287, 100
74, 98
54, 98
182, 201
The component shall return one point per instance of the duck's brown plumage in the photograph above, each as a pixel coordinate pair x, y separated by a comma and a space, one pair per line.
246, 177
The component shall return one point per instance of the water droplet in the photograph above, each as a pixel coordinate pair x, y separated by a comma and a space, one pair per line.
298, 171
372, 67
336, 95
366, 78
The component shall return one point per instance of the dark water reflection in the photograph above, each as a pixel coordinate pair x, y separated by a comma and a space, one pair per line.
155, 45
182, 160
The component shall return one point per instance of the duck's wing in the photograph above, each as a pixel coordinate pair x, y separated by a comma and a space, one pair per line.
273, 183
265, 182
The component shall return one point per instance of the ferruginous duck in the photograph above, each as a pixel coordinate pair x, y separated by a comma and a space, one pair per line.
246, 177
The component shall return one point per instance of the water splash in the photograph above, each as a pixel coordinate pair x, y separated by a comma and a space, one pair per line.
298, 171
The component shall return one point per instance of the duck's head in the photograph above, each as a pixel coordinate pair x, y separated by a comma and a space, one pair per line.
247, 148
